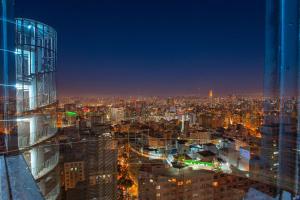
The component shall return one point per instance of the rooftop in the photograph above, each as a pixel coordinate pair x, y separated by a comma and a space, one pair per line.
206, 153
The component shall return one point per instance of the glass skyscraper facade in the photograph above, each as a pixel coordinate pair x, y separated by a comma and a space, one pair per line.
28, 107
8, 132
36, 102
280, 132
36, 62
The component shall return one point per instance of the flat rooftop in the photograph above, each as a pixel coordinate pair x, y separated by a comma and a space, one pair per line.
206, 153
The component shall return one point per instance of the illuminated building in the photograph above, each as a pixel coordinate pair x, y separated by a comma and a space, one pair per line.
201, 136
96, 119
205, 120
100, 159
157, 182
28, 92
117, 114
156, 141
14, 173
8, 132
36, 102
73, 173
184, 123
210, 94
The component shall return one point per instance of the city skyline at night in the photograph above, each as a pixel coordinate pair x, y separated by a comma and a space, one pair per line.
149, 100
150, 48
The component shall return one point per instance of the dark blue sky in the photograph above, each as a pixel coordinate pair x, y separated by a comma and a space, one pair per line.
154, 47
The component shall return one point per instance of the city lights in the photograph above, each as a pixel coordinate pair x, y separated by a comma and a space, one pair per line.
177, 100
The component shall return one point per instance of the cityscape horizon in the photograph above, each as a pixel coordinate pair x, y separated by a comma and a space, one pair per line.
254, 94
149, 100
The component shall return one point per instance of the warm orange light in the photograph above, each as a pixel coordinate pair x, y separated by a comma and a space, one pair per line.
180, 183
215, 184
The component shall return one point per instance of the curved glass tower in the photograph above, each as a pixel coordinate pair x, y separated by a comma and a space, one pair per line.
36, 102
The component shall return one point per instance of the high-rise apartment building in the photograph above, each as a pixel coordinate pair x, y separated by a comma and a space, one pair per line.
117, 114
100, 163
73, 173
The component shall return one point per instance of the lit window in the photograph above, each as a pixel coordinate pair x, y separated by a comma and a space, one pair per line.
215, 184
172, 180
180, 183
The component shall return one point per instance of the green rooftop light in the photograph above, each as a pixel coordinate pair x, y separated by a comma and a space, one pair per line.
196, 162
71, 114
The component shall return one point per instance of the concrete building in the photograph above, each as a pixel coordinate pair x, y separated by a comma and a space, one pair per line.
100, 159
117, 114
158, 182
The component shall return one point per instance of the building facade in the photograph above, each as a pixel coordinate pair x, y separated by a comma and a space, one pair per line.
28, 145
8, 131
157, 182
36, 102
100, 164
280, 132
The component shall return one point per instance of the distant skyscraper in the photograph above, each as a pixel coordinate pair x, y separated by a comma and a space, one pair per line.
280, 132
210, 94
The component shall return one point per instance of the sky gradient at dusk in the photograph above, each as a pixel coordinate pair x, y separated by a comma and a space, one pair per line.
154, 47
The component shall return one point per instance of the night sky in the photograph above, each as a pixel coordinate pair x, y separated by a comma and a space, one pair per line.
154, 47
